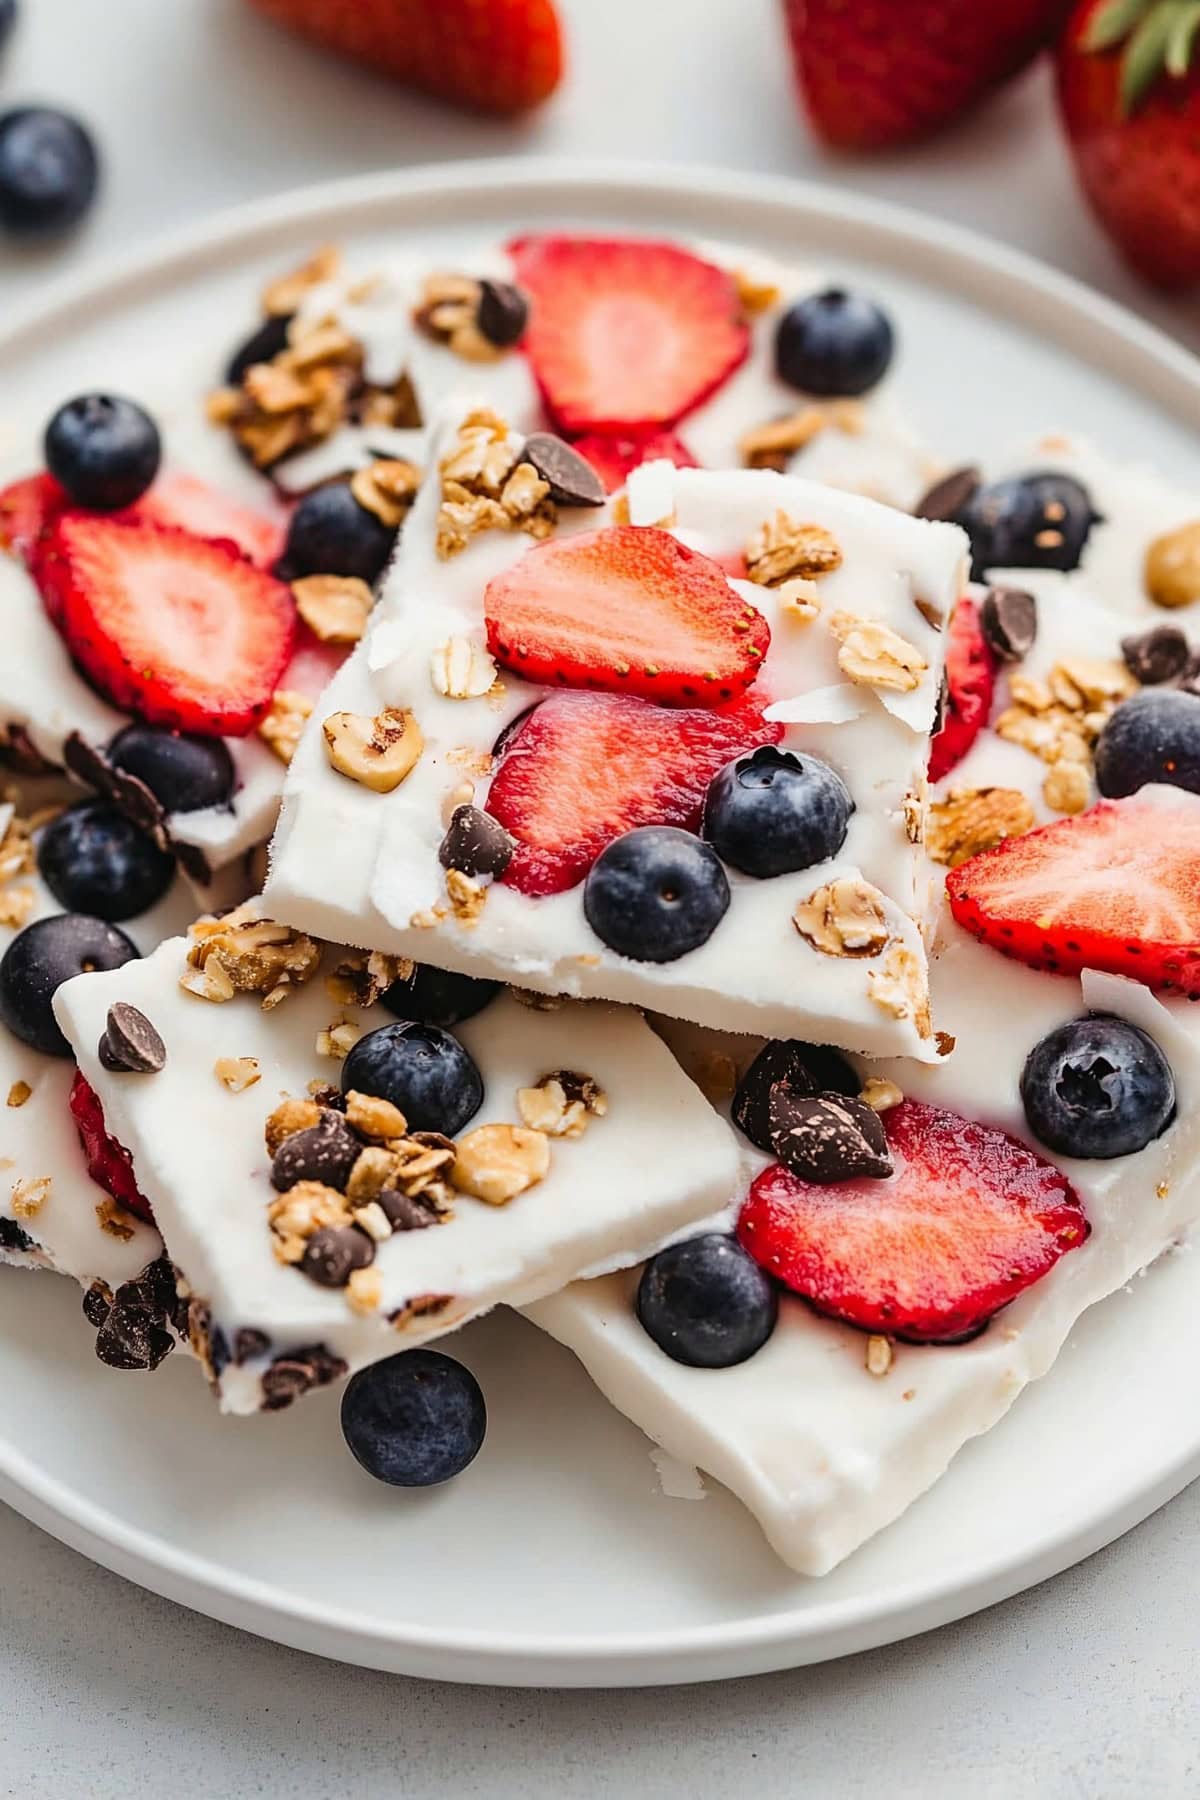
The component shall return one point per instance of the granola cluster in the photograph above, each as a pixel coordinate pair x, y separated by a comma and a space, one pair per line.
969, 820
17, 858
772, 444
874, 655
239, 953
790, 556
848, 917
1059, 720
486, 485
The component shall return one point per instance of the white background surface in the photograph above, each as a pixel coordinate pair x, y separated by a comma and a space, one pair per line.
1084, 1687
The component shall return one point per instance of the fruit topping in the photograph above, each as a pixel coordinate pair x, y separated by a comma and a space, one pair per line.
706, 1303
970, 685
1116, 888
438, 996
191, 504
626, 335
802, 1070
48, 171
26, 508
414, 1420
108, 1162
1150, 737
184, 773
615, 458
582, 769
775, 811
655, 894
629, 609
969, 1219
331, 534
1097, 1087
1035, 521
40, 959
104, 451
833, 343
96, 860
422, 1070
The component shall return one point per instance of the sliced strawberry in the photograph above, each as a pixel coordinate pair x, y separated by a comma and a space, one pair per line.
108, 1163
189, 503
179, 631
26, 509
626, 335
1116, 888
582, 769
970, 685
968, 1221
615, 458
630, 609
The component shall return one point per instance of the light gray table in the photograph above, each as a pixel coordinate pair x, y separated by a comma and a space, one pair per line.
1085, 1687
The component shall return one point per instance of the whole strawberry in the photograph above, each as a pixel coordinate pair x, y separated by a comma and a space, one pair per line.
1129, 90
873, 73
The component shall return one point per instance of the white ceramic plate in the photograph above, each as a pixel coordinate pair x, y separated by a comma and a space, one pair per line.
556, 1560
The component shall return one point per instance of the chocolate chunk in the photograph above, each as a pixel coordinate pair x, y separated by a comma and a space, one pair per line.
573, 481
127, 792
326, 1152
327, 1096
503, 313
12, 1237
947, 497
802, 1068
290, 1376
1159, 654
333, 1253
1008, 620
826, 1137
133, 1336
97, 1302
408, 1212
248, 1344
475, 843
194, 863
130, 1044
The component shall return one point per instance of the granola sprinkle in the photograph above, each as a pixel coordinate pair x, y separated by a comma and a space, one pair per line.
876, 656
900, 988
562, 1104
485, 487
361, 976
969, 820
844, 918
29, 1196
495, 1163
284, 724
241, 953
237, 1073
334, 607
377, 752
783, 548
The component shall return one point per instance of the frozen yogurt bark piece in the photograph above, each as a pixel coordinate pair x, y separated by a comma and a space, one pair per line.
531, 1145
832, 652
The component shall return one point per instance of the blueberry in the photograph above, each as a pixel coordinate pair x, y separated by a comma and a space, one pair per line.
264, 343
1155, 736
184, 773
803, 1069
415, 1419
1097, 1087
422, 1070
706, 1303
438, 997
95, 860
331, 534
655, 894
775, 811
8, 18
104, 450
833, 343
1035, 521
40, 959
48, 170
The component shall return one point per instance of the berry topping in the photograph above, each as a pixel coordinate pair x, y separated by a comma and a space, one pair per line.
26, 508
970, 685
1150, 737
655, 894
331, 534
181, 632
833, 343
629, 609
40, 959
422, 1070
775, 811
192, 505
969, 1220
626, 335
582, 769
1036, 521
48, 171
826, 1137
108, 1162
799, 1069
1097, 1087
262, 346
414, 1420
325, 1152
103, 450
185, 774
706, 1303
1116, 888
437, 996
95, 860
615, 458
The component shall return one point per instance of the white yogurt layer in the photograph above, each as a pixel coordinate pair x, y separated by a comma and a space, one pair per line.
659, 1159
361, 867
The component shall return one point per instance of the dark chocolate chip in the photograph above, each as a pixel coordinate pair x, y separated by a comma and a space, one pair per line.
947, 497
127, 792
503, 313
475, 843
133, 1336
130, 1044
13, 1238
333, 1253
826, 1137
97, 1303
1159, 654
325, 1152
408, 1212
573, 481
249, 1344
803, 1068
1008, 620
290, 1376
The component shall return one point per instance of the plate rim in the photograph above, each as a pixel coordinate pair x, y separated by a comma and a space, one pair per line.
1099, 330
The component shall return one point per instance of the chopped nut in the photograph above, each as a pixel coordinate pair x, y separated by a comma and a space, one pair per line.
1172, 568
495, 1163
466, 895
29, 1196
1030, 691
376, 752
306, 1208
844, 918
213, 982
879, 1355
716, 1075
754, 294
461, 794
372, 1172
916, 810
237, 1073
523, 492
16, 904
799, 599
362, 976
374, 1117
274, 389
1068, 787
289, 1117
562, 1103
373, 1220
114, 1220
284, 724
462, 669
773, 444
387, 488
782, 547
240, 953
900, 988
875, 655
334, 607
879, 1093
972, 819
1096, 680
338, 1039
18, 1093
364, 1290
284, 294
